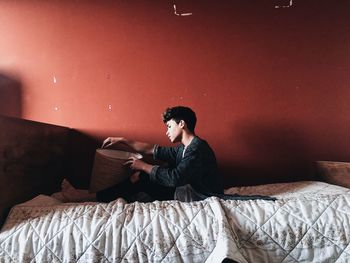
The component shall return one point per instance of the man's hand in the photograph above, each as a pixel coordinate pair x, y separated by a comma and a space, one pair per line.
135, 164
140, 147
138, 165
135, 177
111, 141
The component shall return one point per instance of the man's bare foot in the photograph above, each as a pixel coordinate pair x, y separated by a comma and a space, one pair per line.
71, 194
66, 186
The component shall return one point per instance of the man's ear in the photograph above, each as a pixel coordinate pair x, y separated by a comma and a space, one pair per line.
182, 124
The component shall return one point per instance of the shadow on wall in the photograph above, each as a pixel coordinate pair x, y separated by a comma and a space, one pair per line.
82, 154
276, 152
10, 97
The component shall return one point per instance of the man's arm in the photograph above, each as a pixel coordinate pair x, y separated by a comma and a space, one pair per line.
171, 177
186, 171
141, 147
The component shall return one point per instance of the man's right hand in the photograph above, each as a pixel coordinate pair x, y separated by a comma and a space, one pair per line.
111, 141
140, 147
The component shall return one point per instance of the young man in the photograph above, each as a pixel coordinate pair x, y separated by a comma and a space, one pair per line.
191, 173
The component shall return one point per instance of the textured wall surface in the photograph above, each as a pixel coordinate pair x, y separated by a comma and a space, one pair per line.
270, 85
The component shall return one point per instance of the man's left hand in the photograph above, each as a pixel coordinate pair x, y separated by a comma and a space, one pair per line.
135, 164
135, 177
138, 165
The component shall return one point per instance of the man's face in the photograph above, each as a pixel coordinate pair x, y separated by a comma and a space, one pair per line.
174, 130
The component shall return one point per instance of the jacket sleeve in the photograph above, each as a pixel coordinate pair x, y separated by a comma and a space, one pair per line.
185, 172
166, 154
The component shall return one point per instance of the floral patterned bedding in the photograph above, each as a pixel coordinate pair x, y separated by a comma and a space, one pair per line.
310, 222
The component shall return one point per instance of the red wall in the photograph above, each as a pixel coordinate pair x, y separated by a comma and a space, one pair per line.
270, 86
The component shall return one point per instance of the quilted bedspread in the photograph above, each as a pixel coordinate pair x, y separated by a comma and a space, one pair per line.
309, 227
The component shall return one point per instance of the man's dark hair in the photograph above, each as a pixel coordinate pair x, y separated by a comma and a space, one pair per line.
179, 113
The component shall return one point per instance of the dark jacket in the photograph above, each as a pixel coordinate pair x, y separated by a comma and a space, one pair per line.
193, 171
196, 167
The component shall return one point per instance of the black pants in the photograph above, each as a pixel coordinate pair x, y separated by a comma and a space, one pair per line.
128, 190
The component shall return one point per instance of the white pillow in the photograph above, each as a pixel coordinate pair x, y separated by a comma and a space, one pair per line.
41, 200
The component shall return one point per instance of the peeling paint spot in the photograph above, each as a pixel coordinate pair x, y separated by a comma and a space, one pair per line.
54, 79
110, 107
285, 5
180, 14
204, 94
56, 108
181, 98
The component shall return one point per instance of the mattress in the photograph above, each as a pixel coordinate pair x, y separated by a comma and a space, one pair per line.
310, 222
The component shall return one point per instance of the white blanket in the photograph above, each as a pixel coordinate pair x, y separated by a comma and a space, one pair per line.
312, 227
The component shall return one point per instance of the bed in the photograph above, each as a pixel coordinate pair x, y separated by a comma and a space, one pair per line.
309, 222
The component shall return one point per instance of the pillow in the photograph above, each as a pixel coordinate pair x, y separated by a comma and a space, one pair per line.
41, 200
108, 168
334, 172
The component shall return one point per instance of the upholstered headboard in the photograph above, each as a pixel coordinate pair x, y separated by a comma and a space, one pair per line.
33, 160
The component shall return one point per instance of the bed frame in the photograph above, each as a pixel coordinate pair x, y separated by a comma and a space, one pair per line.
33, 160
